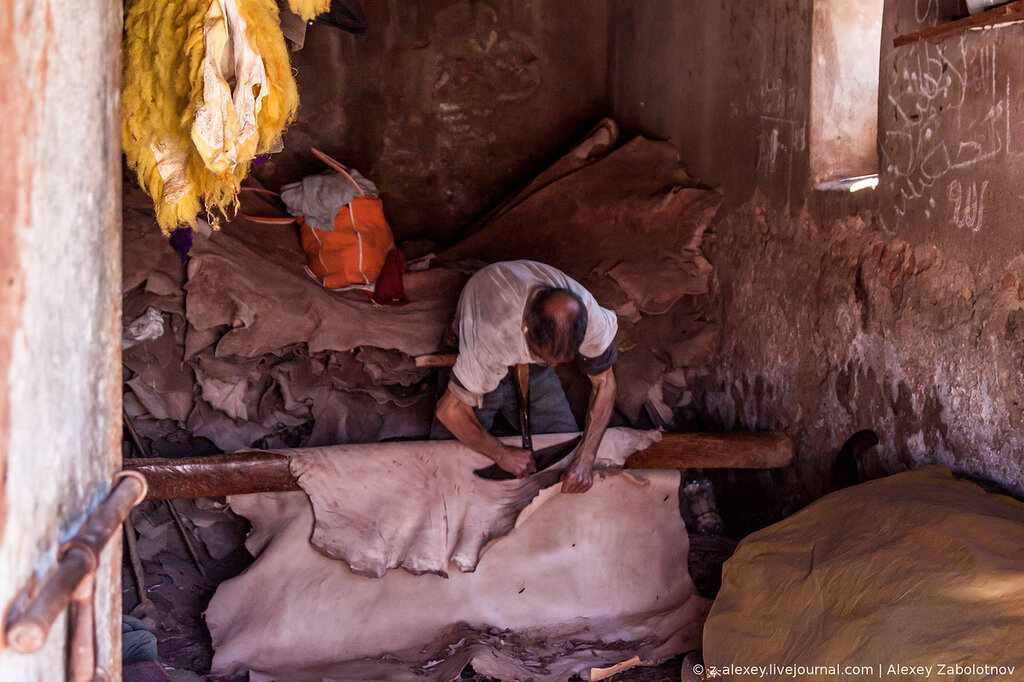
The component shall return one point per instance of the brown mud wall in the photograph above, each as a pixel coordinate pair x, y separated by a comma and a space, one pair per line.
899, 309
448, 105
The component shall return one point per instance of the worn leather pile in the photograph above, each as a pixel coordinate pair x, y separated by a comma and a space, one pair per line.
259, 354
256, 353
628, 224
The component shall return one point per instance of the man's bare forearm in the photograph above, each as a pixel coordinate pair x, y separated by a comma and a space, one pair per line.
599, 412
459, 418
580, 474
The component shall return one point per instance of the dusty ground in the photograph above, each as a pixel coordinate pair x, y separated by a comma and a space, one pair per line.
666, 672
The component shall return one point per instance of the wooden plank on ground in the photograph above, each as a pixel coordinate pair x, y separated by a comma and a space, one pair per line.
436, 360
994, 17
715, 451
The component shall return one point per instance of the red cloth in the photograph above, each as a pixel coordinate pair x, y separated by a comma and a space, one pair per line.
389, 289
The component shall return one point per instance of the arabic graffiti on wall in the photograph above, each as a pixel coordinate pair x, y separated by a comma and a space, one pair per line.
949, 119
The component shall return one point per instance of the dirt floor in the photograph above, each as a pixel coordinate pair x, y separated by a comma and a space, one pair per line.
666, 672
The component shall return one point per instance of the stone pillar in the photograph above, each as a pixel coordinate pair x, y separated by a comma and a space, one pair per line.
60, 276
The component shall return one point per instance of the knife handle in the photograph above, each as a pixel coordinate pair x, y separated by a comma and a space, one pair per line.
521, 380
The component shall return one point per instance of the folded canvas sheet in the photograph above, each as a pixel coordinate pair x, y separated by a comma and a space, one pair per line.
581, 581
916, 570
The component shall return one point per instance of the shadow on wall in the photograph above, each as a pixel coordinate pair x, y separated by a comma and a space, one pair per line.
447, 105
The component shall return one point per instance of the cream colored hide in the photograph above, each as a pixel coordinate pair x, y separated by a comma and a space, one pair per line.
581, 581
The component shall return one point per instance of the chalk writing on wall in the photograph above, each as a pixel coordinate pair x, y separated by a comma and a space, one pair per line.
779, 135
969, 205
950, 113
927, 12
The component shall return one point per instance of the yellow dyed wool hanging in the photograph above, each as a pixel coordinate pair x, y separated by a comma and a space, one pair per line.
206, 87
309, 9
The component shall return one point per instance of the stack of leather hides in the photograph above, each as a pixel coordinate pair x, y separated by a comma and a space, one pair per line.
256, 353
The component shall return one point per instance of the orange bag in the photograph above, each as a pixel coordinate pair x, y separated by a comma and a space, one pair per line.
355, 251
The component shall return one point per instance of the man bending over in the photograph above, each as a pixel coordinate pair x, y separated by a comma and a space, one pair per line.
520, 312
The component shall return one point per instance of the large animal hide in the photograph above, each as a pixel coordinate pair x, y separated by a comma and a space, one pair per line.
426, 510
580, 581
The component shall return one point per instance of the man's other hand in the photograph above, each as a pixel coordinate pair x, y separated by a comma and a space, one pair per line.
517, 461
579, 476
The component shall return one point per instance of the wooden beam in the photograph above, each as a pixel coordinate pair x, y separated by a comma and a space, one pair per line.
264, 472
715, 451
999, 15
436, 360
236, 474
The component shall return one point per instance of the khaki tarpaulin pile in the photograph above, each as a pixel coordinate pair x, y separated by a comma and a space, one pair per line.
915, 576
578, 581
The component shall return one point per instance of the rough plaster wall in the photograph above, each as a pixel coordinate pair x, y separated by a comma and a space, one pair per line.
726, 82
951, 137
448, 104
61, 380
898, 309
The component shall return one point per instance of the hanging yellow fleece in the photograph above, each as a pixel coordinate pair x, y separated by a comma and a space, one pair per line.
206, 87
309, 9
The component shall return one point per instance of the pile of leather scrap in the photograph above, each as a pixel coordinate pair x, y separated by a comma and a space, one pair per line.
256, 353
244, 349
628, 223
176, 590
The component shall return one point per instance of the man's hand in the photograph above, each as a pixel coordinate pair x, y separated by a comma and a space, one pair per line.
517, 461
462, 422
580, 474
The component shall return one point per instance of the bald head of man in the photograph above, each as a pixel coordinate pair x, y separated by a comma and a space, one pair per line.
555, 323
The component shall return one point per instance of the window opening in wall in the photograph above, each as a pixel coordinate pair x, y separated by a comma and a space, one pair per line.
851, 184
846, 42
